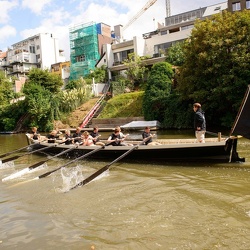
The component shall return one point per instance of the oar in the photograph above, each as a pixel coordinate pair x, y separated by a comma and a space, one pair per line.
31, 152
103, 169
77, 159
9, 153
26, 170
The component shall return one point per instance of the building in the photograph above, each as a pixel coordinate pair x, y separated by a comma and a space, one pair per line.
39, 51
154, 44
237, 5
62, 69
86, 45
3, 59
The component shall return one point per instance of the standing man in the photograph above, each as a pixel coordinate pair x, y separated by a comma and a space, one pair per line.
199, 123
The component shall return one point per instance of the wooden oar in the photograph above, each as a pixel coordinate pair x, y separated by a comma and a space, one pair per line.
17, 150
103, 169
77, 159
31, 152
26, 170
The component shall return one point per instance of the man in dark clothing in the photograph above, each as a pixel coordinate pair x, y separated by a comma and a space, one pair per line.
199, 123
77, 136
96, 136
147, 137
53, 136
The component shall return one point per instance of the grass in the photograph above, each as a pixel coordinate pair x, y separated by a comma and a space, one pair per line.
124, 105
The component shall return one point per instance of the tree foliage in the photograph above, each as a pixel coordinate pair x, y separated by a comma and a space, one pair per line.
216, 69
6, 89
44, 78
99, 74
135, 70
157, 90
175, 54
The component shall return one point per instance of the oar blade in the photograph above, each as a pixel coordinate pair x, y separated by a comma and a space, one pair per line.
9, 153
103, 169
70, 162
10, 159
91, 177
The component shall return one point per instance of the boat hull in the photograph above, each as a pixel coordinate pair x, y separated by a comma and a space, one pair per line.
224, 151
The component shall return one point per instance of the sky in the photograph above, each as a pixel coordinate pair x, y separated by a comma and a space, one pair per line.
20, 19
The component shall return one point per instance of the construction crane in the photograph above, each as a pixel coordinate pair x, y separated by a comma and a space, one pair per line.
168, 8
146, 6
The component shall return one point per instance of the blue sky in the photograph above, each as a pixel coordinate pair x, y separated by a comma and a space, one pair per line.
20, 19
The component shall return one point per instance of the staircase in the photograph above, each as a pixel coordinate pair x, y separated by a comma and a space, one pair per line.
96, 109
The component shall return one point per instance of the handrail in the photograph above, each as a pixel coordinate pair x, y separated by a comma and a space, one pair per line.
95, 108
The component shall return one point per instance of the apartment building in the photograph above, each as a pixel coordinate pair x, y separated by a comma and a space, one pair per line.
39, 51
238, 5
86, 43
155, 43
62, 69
177, 28
3, 58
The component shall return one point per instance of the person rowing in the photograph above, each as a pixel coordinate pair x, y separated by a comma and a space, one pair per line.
68, 139
117, 138
52, 136
95, 135
77, 136
34, 134
147, 137
87, 139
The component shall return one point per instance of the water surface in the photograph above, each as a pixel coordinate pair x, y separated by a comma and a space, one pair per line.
136, 205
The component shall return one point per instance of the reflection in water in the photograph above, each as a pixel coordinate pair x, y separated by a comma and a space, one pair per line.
133, 206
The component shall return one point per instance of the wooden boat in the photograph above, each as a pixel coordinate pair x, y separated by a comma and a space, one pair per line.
216, 149
213, 150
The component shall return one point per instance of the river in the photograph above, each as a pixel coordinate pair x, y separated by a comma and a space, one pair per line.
177, 206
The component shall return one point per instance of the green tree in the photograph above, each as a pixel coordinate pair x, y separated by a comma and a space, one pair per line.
44, 78
6, 89
75, 84
41, 105
175, 54
135, 70
157, 90
99, 74
216, 69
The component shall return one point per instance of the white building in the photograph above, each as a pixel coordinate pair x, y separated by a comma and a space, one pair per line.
154, 44
39, 51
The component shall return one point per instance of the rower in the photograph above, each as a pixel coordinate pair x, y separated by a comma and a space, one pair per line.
53, 136
95, 135
68, 139
77, 136
147, 137
117, 138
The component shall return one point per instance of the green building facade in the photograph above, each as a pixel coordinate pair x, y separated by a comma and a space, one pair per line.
83, 49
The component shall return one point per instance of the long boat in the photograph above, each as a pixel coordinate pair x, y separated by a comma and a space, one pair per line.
216, 149
213, 150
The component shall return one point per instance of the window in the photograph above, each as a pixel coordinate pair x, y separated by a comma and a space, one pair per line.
32, 49
248, 4
37, 47
217, 8
236, 6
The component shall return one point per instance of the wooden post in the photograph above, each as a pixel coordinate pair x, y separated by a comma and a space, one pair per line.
219, 136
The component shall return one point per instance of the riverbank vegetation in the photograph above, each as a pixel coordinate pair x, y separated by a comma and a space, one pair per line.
211, 67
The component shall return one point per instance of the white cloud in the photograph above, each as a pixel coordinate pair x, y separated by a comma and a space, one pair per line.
5, 7
6, 32
58, 16
35, 6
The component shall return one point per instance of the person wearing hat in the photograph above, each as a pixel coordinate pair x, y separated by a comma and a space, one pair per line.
199, 123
